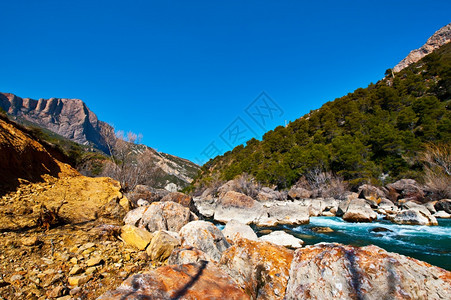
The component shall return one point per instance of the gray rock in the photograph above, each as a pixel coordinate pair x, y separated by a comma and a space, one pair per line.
168, 215
358, 210
444, 204
206, 237
283, 213
415, 217
188, 255
205, 206
134, 216
237, 206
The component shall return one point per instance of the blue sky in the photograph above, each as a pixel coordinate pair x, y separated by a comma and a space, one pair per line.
183, 73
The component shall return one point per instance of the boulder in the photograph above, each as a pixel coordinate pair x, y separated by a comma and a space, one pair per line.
235, 230
370, 192
136, 237
343, 207
261, 269
161, 246
388, 206
444, 204
296, 193
359, 210
283, 213
231, 185
135, 215
168, 216
430, 207
322, 229
206, 237
407, 189
415, 216
187, 255
189, 281
234, 205
205, 206
180, 198
442, 215
335, 271
281, 238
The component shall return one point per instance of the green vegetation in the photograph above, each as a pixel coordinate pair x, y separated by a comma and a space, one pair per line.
372, 135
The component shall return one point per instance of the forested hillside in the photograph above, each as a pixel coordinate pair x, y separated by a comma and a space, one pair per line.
374, 134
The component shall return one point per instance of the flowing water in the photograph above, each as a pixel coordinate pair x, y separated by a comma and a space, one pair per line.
427, 243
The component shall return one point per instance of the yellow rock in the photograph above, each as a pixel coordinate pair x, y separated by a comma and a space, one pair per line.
137, 237
77, 280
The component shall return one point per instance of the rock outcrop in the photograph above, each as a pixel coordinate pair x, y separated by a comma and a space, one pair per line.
335, 271
438, 39
235, 230
70, 118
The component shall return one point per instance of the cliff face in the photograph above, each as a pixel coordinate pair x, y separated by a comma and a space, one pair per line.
70, 118
438, 39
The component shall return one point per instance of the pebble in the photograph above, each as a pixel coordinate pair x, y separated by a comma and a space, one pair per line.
16, 277
94, 261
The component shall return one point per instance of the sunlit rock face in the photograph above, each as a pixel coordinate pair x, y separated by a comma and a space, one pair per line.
335, 271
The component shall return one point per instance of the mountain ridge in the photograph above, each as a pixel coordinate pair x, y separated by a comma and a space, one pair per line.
73, 120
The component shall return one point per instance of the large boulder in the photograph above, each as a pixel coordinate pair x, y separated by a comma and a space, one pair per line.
296, 193
168, 216
234, 205
235, 230
261, 269
281, 238
189, 281
206, 237
335, 271
370, 192
415, 216
134, 216
283, 213
407, 189
359, 210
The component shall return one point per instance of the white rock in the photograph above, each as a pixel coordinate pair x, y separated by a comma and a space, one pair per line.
282, 238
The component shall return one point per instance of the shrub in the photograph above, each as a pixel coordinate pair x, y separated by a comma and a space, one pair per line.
436, 159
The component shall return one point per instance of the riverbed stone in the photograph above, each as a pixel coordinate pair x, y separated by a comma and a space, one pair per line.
236, 230
204, 236
281, 238
359, 210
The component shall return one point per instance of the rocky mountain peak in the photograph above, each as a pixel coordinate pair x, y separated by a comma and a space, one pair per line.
438, 39
70, 118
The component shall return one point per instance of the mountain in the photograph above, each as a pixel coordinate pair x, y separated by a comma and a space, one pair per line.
375, 134
71, 119
438, 39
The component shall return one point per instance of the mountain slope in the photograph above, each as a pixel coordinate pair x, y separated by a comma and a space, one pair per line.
71, 119
438, 39
373, 134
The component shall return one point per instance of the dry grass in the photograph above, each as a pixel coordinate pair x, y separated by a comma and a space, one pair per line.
436, 159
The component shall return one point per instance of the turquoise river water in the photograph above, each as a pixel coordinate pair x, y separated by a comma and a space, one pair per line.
428, 243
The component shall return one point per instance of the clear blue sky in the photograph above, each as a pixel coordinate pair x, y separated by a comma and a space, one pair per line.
181, 72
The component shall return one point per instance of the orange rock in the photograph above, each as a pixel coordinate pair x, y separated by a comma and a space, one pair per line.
260, 268
189, 281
